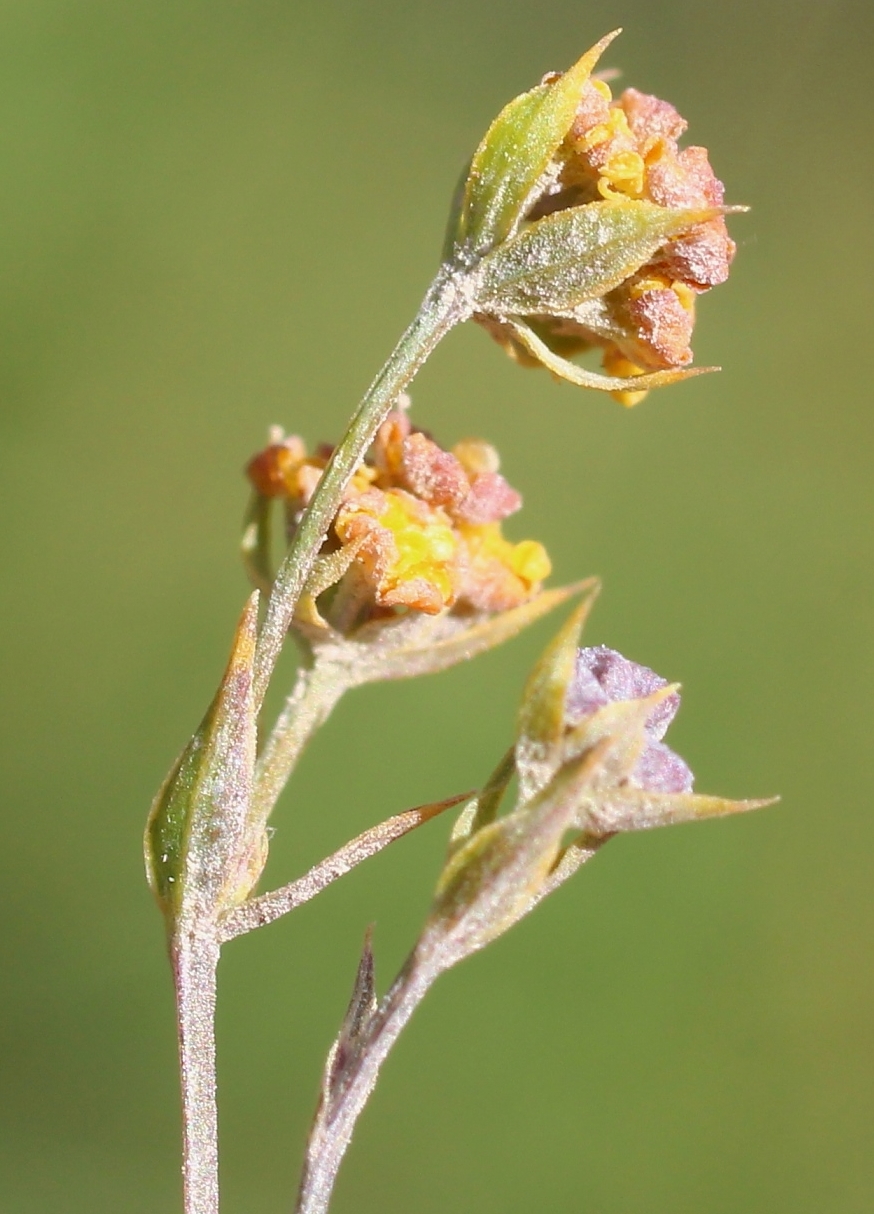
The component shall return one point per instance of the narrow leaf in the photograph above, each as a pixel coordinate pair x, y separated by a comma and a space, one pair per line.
255, 544
267, 908
624, 809
514, 155
359, 1013
541, 715
483, 809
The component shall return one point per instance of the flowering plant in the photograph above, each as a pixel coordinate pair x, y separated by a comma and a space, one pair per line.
579, 225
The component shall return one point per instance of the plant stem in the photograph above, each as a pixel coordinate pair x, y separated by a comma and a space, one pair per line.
316, 691
340, 1109
195, 958
443, 307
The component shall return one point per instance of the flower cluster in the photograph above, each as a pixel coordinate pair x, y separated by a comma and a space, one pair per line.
617, 155
421, 526
627, 148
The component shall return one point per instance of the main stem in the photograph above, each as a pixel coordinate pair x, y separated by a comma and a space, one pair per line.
195, 960
442, 308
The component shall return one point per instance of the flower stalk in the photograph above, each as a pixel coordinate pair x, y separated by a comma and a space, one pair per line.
444, 306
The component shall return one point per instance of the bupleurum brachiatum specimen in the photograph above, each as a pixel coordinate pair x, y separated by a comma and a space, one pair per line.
579, 226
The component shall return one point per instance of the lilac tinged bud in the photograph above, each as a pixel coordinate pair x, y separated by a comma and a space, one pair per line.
601, 677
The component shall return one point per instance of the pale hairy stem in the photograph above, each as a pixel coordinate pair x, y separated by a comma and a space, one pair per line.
316, 691
257, 912
194, 958
339, 1111
444, 306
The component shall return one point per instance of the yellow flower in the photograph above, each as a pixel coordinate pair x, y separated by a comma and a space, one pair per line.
419, 528
408, 549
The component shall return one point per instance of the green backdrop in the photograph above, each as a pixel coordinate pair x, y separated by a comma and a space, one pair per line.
218, 214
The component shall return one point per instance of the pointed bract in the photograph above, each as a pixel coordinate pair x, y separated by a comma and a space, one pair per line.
541, 722
563, 368
514, 156
483, 808
498, 874
625, 809
201, 856
573, 256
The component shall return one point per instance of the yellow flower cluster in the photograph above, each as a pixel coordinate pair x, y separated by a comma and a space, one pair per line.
422, 524
616, 151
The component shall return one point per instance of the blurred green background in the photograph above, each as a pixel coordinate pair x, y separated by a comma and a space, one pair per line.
218, 215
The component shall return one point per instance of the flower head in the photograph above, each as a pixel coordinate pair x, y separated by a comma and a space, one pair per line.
589, 763
419, 529
587, 227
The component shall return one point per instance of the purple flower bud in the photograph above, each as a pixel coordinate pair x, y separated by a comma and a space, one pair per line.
602, 677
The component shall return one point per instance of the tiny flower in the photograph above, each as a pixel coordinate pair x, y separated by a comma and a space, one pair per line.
409, 553
603, 676
274, 471
584, 226
499, 575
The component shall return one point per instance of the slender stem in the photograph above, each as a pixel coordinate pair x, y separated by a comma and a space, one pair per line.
316, 691
443, 307
195, 958
335, 1120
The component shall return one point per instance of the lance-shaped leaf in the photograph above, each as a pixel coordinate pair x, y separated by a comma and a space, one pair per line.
576, 255
516, 152
360, 1012
201, 855
541, 722
562, 368
256, 542
626, 808
267, 908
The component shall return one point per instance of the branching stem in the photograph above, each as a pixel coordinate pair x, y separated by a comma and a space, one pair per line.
195, 945
340, 1109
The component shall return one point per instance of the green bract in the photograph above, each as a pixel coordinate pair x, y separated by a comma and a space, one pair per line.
574, 256
202, 854
511, 160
